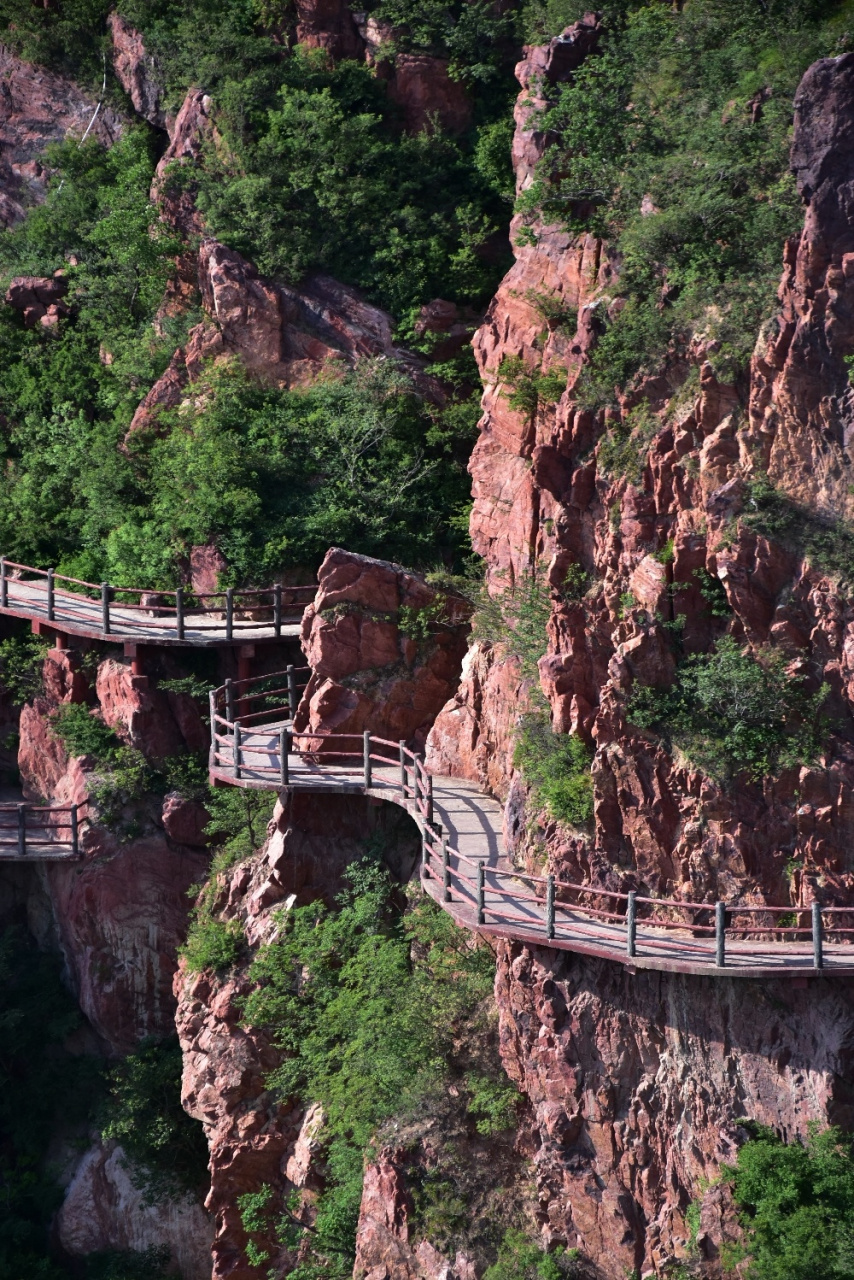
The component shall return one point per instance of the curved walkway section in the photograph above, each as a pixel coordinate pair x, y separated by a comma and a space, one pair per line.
101, 611
465, 869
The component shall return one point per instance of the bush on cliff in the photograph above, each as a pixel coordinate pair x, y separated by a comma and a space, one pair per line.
557, 768
733, 713
366, 1003
797, 1205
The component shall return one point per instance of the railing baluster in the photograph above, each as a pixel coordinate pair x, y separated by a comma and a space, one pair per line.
22, 830
631, 924
235, 762
229, 701
179, 612
446, 872
75, 837
4, 583
229, 613
817, 942
720, 934
284, 748
550, 907
402, 746
481, 895
212, 751
105, 608
367, 760
277, 608
429, 814
292, 691
51, 595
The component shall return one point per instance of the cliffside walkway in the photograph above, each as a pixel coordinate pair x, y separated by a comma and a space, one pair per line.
44, 833
465, 869
101, 611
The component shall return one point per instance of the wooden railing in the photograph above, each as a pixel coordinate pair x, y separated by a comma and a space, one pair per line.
251, 704
231, 610
528, 906
34, 830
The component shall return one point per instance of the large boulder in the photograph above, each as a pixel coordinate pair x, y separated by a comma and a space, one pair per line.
385, 649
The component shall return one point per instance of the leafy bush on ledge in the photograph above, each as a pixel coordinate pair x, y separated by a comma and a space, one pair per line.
557, 767
732, 713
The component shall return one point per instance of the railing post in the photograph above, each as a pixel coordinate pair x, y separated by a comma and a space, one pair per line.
229, 613
212, 751
75, 838
235, 760
367, 759
179, 612
105, 608
229, 701
720, 934
429, 815
631, 924
277, 608
481, 903
22, 830
4, 583
550, 907
51, 602
817, 949
446, 872
292, 691
284, 748
402, 746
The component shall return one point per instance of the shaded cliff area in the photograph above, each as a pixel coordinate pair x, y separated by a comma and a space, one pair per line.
237, 342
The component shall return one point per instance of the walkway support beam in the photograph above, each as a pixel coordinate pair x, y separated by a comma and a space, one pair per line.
817, 941
631, 924
284, 751
720, 934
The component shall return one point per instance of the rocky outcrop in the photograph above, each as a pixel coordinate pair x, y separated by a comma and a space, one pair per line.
103, 1210
38, 107
156, 722
283, 335
427, 96
137, 71
39, 299
329, 25
384, 650
801, 402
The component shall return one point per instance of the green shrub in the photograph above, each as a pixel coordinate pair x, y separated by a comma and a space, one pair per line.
623, 450
557, 768
521, 1258
733, 713
530, 388
797, 1205
21, 666
493, 1103
827, 544
212, 944
83, 733
166, 1149
516, 618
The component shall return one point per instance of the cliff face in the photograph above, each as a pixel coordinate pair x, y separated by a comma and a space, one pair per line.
636, 1081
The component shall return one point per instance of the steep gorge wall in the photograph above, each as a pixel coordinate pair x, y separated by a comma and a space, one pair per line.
637, 1080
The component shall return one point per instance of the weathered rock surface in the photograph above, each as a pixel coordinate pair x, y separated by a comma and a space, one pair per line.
158, 723
39, 298
136, 70
637, 1081
38, 107
103, 1210
426, 94
329, 25
384, 650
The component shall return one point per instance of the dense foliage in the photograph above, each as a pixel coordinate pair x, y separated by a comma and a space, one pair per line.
166, 1149
797, 1206
557, 768
733, 713
662, 145
366, 1002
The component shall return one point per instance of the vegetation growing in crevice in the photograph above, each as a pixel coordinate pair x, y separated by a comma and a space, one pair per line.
733, 713
371, 1004
557, 768
828, 545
